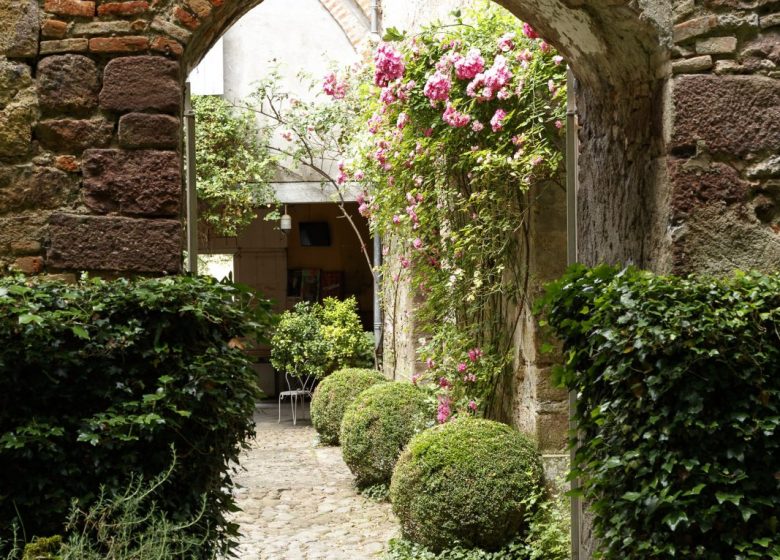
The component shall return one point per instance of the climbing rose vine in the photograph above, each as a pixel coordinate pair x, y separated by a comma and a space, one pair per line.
461, 121
452, 133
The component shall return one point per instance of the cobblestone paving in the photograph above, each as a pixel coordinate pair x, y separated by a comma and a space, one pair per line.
298, 500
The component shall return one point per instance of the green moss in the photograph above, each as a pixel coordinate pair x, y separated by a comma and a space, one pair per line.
332, 397
467, 483
43, 549
378, 425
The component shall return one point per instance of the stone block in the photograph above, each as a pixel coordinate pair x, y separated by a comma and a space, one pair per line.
137, 183
694, 28
18, 108
767, 46
170, 29
74, 136
766, 169
28, 265
19, 20
102, 28
552, 430
22, 230
738, 20
54, 29
141, 130
130, 44
732, 115
68, 84
114, 243
167, 46
64, 46
697, 185
184, 17
694, 65
141, 83
68, 164
546, 390
131, 8
34, 188
75, 8
201, 8
769, 20
716, 45
25, 247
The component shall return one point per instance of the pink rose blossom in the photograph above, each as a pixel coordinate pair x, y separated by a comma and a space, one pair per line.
529, 31
504, 94
551, 86
558, 124
443, 412
506, 42
359, 175
364, 210
499, 74
387, 96
430, 363
470, 378
403, 120
537, 160
497, 122
545, 47
557, 59
475, 354
417, 243
454, 118
525, 55
438, 87
396, 219
477, 126
473, 406
389, 65
444, 383
415, 378
428, 132
405, 262
333, 87
374, 123
469, 66
462, 367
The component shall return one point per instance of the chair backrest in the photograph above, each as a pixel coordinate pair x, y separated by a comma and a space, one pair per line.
299, 382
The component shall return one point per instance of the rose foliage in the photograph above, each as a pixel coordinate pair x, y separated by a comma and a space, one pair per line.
459, 122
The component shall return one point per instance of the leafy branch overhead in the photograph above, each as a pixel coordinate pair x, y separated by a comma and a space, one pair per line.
234, 165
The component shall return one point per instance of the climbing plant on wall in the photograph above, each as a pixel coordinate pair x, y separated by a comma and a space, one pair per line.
234, 165
458, 123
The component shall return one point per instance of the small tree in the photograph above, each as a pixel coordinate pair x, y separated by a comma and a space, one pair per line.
316, 339
234, 164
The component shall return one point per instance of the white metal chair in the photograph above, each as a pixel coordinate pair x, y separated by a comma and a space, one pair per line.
298, 387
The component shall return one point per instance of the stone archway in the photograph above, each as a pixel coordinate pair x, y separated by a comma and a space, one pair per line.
667, 179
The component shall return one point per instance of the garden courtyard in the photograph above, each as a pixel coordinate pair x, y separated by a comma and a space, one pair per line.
516, 263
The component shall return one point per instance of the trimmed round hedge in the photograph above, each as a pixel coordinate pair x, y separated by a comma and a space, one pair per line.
468, 483
378, 425
334, 394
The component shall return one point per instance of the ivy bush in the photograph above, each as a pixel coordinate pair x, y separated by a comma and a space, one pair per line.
678, 409
100, 381
332, 397
376, 427
316, 339
470, 482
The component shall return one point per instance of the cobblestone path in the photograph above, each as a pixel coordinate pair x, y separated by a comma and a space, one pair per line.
298, 500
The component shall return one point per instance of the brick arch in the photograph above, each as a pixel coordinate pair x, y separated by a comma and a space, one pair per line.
676, 169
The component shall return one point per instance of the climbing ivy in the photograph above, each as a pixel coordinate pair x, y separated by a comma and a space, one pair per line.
678, 409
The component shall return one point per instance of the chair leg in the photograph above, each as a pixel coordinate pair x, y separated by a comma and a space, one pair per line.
293, 406
280, 410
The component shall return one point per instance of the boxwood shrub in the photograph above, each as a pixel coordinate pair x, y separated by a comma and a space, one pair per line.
332, 397
470, 483
378, 425
678, 411
101, 381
